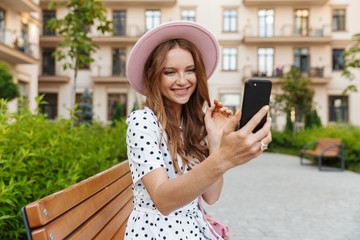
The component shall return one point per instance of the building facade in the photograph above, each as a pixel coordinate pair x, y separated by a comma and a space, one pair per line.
258, 39
19, 46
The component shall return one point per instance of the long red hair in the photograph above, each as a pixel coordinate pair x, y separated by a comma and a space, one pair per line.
192, 148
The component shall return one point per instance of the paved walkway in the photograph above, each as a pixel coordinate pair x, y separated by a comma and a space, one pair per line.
273, 197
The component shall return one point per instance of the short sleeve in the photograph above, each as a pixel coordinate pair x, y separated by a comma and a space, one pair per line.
142, 139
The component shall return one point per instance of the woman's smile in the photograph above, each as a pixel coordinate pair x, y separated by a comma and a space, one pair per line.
178, 78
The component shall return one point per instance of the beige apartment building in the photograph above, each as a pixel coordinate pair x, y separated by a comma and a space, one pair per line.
20, 25
258, 39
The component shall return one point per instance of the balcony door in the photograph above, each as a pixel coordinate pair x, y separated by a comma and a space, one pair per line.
119, 18
302, 59
266, 22
301, 22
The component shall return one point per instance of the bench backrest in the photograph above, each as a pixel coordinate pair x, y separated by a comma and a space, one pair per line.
95, 208
327, 142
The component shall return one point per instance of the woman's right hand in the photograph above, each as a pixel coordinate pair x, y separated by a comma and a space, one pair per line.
239, 147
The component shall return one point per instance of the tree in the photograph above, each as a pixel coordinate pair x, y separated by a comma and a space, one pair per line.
296, 93
8, 89
76, 43
86, 114
352, 61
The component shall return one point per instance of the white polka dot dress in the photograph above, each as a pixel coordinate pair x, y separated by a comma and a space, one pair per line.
145, 221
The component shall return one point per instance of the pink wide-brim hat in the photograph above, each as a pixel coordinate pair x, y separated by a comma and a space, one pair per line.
202, 38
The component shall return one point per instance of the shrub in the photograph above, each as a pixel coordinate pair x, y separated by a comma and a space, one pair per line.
39, 157
284, 142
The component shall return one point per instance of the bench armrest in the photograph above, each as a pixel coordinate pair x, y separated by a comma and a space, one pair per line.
308, 145
334, 146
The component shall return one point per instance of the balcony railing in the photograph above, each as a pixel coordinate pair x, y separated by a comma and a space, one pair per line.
283, 2
106, 73
317, 74
287, 30
10, 39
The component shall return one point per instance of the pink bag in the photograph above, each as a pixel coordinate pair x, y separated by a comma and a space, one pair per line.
218, 226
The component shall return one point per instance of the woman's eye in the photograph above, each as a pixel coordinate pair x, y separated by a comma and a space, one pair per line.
169, 72
191, 70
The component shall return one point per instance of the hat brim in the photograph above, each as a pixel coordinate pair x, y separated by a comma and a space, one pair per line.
202, 38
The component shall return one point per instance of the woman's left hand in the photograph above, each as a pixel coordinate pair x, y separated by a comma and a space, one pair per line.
216, 118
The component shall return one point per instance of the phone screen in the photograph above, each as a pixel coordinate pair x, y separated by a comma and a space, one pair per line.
256, 95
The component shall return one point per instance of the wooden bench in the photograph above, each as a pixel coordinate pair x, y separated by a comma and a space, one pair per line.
325, 147
95, 208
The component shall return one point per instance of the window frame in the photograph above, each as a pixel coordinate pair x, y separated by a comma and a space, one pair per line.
269, 69
337, 17
230, 57
338, 56
188, 18
52, 71
231, 20
344, 109
266, 34
46, 17
122, 17
153, 19
3, 19
110, 109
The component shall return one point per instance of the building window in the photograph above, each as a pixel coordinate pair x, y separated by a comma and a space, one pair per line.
230, 100
85, 66
266, 61
113, 100
301, 22
229, 59
152, 19
2, 20
338, 109
49, 108
266, 22
301, 59
47, 15
338, 23
24, 94
119, 62
338, 59
48, 62
119, 18
230, 20
188, 15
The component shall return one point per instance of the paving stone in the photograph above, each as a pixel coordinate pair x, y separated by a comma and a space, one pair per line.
274, 197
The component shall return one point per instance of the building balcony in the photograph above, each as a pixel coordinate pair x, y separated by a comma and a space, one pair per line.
129, 36
284, 2
122, 3
287, 34
316, 74
53, 79
22, 5
15, 50
102, 73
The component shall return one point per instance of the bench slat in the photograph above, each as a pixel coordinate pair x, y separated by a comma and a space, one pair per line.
113, 226
67, 223
97, 222
120, 234
58, 203
324, 143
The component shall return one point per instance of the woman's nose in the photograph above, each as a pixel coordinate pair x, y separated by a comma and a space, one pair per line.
181, 79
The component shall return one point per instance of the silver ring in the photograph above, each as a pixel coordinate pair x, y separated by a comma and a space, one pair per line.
263, 146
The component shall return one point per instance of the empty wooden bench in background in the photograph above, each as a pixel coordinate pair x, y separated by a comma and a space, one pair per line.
95, 208
325, 147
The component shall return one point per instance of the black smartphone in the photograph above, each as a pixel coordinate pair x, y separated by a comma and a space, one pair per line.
256, 95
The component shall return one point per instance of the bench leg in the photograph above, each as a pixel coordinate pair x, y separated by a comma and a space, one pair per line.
320, 163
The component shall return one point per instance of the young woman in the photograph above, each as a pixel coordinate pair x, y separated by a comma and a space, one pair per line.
175, 150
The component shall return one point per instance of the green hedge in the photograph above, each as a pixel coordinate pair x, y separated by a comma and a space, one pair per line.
39, 157
285, 142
